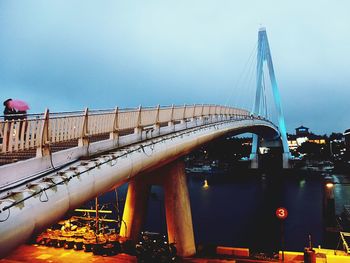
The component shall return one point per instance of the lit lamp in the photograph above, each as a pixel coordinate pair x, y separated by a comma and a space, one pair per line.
329, 185
205, 185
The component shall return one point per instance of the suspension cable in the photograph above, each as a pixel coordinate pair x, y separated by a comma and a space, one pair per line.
241, 76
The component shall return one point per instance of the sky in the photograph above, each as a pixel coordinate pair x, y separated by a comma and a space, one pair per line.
68, 55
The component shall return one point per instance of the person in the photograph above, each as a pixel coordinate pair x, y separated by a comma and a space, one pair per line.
9, 113
22, 115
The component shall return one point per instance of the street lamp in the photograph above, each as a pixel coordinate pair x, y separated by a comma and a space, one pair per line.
330, 185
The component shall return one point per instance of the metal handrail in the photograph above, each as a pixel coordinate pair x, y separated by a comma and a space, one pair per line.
35, 131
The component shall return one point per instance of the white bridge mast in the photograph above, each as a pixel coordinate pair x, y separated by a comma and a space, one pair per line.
264, 54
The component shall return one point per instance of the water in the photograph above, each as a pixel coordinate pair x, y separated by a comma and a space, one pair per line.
341, 191
239, 209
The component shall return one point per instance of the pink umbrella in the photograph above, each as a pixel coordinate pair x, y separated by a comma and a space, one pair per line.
19, 105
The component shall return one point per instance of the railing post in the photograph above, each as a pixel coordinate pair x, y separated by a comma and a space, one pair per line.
84, 135
138, 128
43, 144
157, 114
6, 135
183, 115
194, 113
156, 124
210, 113
201, 117
10, 133
171, 122
139, 117
220, 113
114, 134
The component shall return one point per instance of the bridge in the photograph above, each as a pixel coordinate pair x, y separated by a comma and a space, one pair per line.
52, 163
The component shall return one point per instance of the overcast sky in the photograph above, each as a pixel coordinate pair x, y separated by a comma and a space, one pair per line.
68, 55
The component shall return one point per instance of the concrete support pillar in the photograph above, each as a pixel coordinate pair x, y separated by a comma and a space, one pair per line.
254, 161
177, 206
285, 160
135, 209
254, 156
178, 210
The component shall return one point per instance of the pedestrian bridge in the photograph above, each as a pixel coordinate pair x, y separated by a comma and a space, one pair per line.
46, 142
55, 162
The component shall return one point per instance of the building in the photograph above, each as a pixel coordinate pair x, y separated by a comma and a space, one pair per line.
347, 139
302, 135
301, 131
347, 146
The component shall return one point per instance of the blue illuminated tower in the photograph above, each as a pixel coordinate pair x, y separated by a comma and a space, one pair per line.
263, 55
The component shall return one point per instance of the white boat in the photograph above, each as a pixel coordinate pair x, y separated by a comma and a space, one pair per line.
200, 169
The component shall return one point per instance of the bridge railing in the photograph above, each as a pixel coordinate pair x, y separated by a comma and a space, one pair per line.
32, 132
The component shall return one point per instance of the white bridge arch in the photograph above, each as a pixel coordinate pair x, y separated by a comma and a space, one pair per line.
31, 188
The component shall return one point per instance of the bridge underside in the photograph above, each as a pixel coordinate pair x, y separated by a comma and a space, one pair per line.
25, 212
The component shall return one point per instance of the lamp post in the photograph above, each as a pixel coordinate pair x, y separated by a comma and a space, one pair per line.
282, 214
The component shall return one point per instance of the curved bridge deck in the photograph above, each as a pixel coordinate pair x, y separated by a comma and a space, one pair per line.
43, 142
67, 178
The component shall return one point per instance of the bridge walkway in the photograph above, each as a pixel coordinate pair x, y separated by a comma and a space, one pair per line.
12, 157
21, 138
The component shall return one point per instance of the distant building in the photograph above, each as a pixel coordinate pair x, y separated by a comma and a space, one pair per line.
347, 145
301, 131
302, 135
347, 139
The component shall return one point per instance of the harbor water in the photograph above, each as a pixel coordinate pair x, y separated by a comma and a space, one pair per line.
238, 209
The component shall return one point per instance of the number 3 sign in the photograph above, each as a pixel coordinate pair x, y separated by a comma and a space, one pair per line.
281, 213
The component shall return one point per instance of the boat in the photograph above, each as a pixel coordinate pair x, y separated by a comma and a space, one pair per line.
322, 166
83, 231
213, 167
199, 169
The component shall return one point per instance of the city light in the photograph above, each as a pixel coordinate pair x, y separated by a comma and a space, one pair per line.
329, 185
205, 185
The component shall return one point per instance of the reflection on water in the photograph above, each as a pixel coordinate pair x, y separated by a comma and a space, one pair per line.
239, 209
241, 212
341, 192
